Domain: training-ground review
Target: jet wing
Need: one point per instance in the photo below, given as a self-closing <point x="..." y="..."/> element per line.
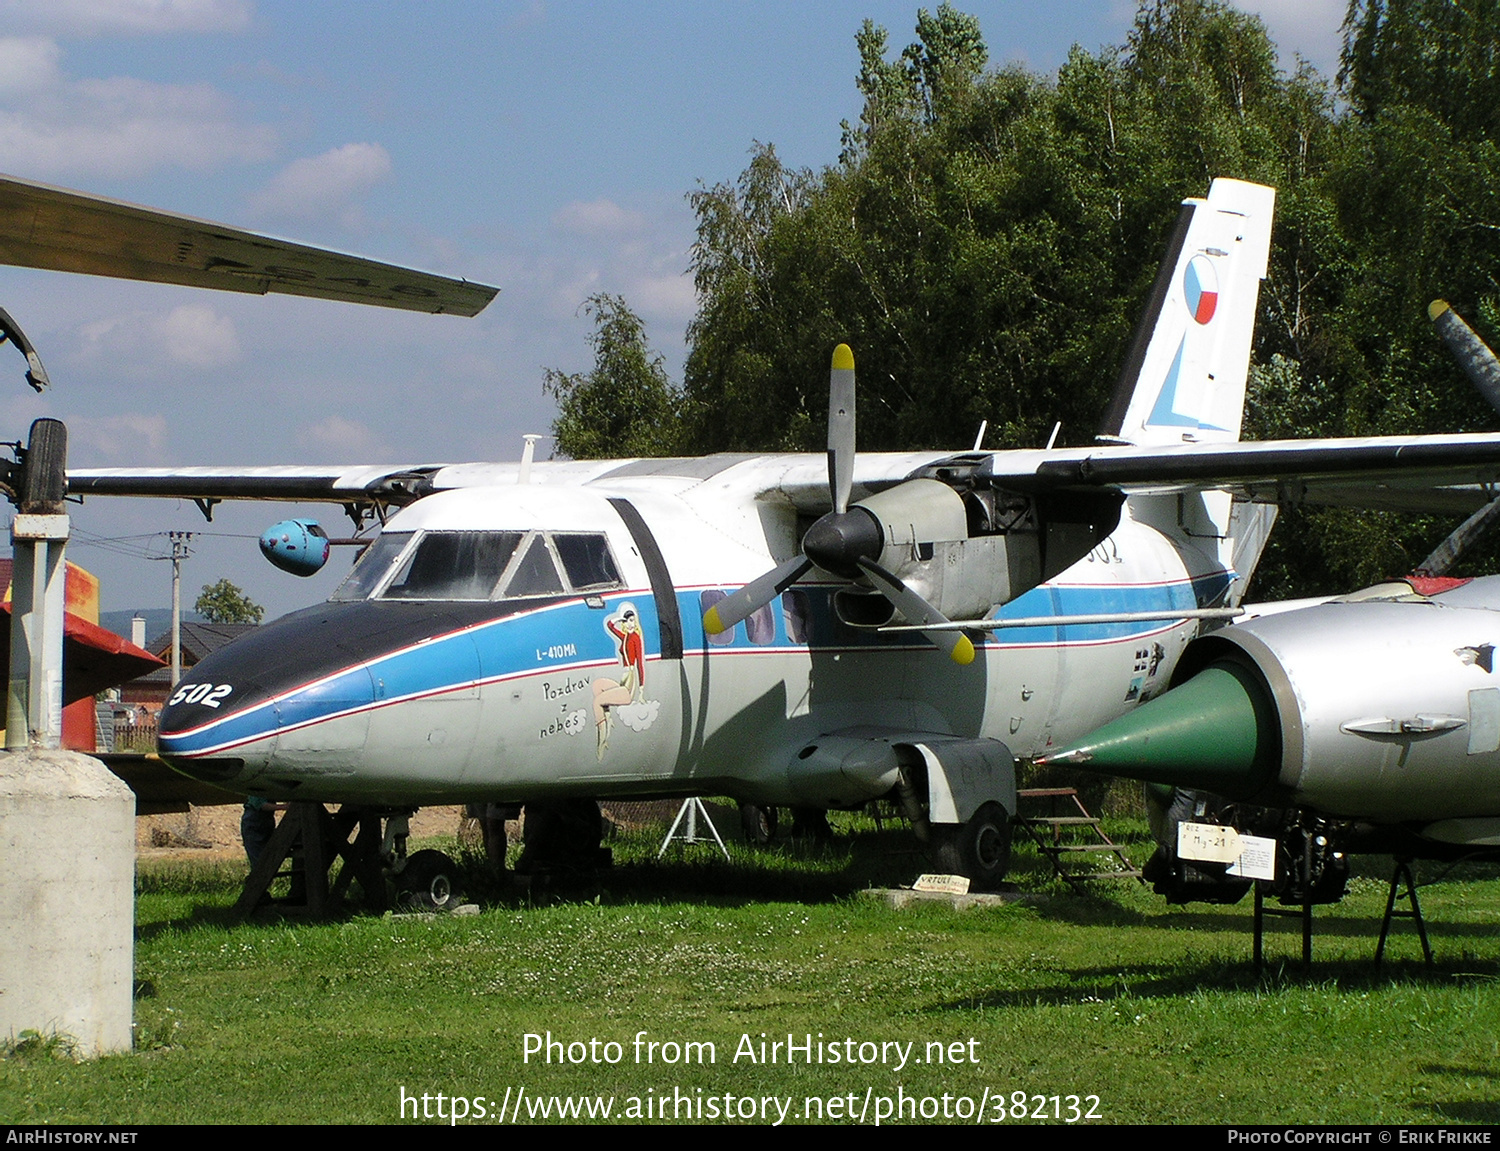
<point x="68" y="231"/>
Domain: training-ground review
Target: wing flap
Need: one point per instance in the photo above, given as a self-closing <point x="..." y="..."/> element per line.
<point x="67" y="231"/>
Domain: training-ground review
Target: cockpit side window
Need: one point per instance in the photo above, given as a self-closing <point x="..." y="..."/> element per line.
<point x="587" y="560"/>
<point x="373" y="566"/>
<point x="453" y="566"/>
<point x="535" y="573"/>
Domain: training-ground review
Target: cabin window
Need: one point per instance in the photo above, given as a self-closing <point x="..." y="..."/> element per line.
<point x="373" y="566"/>
<point x="760" y="625"/>
<point x="587" y="561"/>
<point x="795" y="612"/>
<point x="710" y="599"/>
<point x="454" y="566"/>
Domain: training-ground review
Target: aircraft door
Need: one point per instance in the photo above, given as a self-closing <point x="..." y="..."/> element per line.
<point x="638" y="706"/>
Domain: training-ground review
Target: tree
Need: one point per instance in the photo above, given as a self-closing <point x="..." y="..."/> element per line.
<point x="223" y="602"/>
<point x="626" y="406"/>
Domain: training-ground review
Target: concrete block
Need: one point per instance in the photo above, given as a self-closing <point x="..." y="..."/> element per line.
<point x="67" y="899"/>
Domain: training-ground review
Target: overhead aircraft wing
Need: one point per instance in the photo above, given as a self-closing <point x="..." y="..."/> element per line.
<point x="398" y="484"/>
<point x="67" y="231"/>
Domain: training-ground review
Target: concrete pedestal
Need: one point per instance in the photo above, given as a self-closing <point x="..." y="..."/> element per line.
<point x="67" y="899"/>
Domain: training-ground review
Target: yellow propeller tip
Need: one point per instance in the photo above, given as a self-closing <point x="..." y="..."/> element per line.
<point x="843" y="359"/>
<point x="1436" y="309"/>
<point x="963" y="651"/>
<point x="711" y="622"/>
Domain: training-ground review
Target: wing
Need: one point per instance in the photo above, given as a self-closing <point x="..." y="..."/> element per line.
<point x="1440" y="473"/>
<point x="67" y="231"/>
<point x="390" y="485"/>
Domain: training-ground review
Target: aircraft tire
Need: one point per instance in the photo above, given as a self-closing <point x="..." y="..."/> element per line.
<point x="979" y="849"/>
<point x="758" y="823"/>
<point x="429" y="881"/>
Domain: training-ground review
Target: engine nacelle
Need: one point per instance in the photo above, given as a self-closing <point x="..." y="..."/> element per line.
<point x="296" y="546"/>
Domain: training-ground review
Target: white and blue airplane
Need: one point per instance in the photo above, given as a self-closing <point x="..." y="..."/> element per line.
<point x="783" y="629"/>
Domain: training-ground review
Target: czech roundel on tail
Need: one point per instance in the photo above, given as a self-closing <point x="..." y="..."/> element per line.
<point x="820" y="631"/>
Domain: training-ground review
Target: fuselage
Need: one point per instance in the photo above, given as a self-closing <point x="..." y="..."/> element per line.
<point x="524" y="641"/>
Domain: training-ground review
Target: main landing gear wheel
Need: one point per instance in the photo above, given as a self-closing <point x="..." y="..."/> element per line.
<point x="980" y="849"/>
<point x="429" y="882"/>
<point x="758" y="823"/>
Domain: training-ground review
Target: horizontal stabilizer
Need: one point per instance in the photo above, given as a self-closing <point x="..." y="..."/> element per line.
<point x="67" y="231"/>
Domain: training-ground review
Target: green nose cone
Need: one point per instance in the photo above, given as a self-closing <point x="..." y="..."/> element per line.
<point x="1217" y="732"/>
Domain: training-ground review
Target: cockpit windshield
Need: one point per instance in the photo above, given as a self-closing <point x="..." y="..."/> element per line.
<point x="443" y="565"/>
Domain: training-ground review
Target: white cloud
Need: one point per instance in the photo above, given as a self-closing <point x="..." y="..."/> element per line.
<point x="1309" y="28"/>
<point x="196" y="335"/>
<point x="598" y="218"/>
<point x="132" y="437"/>
<point x="327" y="186"/>
<point x="192" y="334"/>
<point x="96" y="17"/>
<point x="337" y="440"/>
<point x="27" y="63"/>
<point x="664" y="298"/>
<point x="52" y="125"/>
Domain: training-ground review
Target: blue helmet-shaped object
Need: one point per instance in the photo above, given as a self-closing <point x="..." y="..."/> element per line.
<point x="296" y="546"/>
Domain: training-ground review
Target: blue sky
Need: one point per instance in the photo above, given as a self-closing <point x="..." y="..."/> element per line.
<point x="544" y="147"/>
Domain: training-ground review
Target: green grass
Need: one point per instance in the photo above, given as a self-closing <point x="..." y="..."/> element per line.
<point x="1155" y="1010"/>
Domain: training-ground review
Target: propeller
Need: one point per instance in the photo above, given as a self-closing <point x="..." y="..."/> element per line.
<point x="847" y="541"/>
<point x="1483" y="370"/>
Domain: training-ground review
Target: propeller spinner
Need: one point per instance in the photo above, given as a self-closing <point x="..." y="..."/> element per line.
<point x="848" y="541"/>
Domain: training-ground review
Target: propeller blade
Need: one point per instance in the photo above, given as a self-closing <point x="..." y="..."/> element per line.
<point x="918" y="611"/>
<point x="1472" y="354"/>
<point x="841" y="427"/>
<point x="754" y="595"/>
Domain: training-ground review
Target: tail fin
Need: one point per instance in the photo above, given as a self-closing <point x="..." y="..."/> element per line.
<point x="1185" y="376"/>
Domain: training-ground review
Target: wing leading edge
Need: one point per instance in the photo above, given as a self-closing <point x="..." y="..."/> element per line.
<point x="67" y="231"/>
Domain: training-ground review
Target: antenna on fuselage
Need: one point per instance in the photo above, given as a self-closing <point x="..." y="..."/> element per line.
<point x="527" y="452"/>
<point x="1052" y="439"/>
<point x="979" y="439"/>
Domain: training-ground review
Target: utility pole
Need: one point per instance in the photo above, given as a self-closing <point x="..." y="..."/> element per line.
<point x="180" y="552"/>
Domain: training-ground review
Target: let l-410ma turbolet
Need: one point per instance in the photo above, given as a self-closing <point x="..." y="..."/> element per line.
<point x="787" y="629"/>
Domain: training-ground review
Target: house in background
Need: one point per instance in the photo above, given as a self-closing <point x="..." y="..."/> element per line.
<point x="198" y="640"/>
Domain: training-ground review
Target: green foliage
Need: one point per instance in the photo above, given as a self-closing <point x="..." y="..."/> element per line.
<point x="224" y="602"/>
<point x="987" y="239"/>
<point x="625" y="406"/>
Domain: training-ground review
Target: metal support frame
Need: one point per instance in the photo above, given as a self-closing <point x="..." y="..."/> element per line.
<point x="1304" y="912"/>
<point x="692" y="808"/>
<point x="1402" y="872"/>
